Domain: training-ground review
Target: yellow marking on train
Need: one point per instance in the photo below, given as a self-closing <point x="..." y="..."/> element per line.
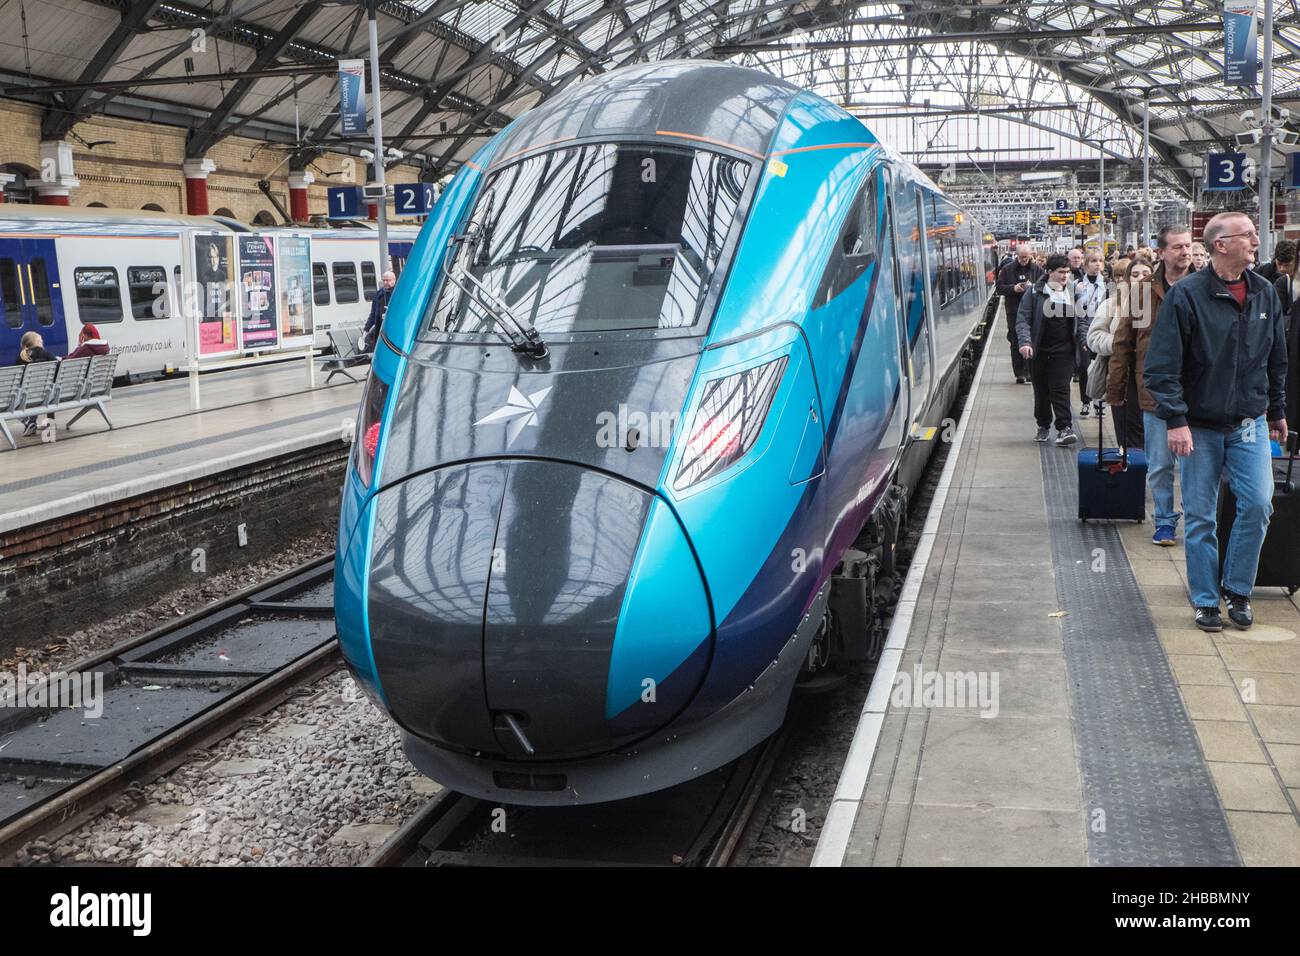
<point x="923" y="434"/>
<point x="776" y="167"/>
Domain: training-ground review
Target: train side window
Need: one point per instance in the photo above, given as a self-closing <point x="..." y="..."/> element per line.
<point x="320" y="284"/>
<point x="146" y="286"/>
<point x="345" y="282"/>
<point x="856" y="246"/>
<point x="369" y="287"/>
<point x="99" y="294"/>
<point x="9" y="289"/>
<point x="39" y="280"/>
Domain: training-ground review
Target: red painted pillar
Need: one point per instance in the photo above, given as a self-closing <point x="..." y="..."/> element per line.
<point x="299" y="180"/>
<point x="196" y="185"/>
<point x="52" y="196"/>
<point x="372" y="212"/>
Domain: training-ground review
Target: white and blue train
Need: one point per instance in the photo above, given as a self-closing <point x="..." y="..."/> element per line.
<point x="664" y="365"/>
<point x="61" y="267"/>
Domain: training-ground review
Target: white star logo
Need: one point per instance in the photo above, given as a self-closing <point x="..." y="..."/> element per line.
<point x="519" y="410"/>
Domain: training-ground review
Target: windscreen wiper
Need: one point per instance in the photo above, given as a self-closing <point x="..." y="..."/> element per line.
<point x="522" y="337"/>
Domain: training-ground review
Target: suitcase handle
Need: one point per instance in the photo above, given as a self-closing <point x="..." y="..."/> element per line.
<point x="1293" y="443"/>
<point x="1101" y="441"/>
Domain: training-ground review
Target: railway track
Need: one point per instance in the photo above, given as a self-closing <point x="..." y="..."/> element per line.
<point x="698" y="823"/>
<point x="164" y="695"/>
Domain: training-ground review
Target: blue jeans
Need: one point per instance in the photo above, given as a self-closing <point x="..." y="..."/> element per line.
<point x="1243" y="454"/>
<point x="1160" y="470"/>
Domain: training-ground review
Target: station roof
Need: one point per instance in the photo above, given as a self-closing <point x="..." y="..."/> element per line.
<point x="983" y="81"/>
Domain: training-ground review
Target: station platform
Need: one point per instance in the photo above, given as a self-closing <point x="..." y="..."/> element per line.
<point x="1099" y="726"/>
<point x="248" y="415"/>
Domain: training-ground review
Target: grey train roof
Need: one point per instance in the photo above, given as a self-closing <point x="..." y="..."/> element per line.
<point x="713" y="101"/>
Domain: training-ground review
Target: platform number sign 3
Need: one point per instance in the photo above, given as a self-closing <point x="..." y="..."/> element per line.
<point x="1225" y="171"/>
<point x="414" y="199"/>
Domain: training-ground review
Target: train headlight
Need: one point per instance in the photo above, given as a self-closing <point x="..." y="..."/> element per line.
<point x="728" y="420"/>
<point x="369" y="426"/>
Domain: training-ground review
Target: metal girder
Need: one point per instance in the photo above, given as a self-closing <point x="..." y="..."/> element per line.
<point x="972" y="37"/>
<point x="203" y="138"/>
<point x="56" y="125"/>
<point x="435" y="95"/>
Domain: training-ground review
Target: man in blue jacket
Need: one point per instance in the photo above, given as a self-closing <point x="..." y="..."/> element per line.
<point x="1216" y="368"/>
<point x="378" y="308"/>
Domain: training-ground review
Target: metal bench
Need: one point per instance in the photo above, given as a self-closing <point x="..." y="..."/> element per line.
<point x="346" y="340"/>
<point x="45" y="388"/>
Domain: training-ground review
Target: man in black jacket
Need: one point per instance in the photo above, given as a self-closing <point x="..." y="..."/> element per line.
<point x="1013" y="279"/>
<point x="1216" y="368"/>
<point x="378" y="308"/>
<point x="1048" y="330"/>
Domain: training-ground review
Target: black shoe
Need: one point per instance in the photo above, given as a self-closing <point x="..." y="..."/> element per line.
<point x="1209" y="619"/>
<point x="1239" y="612"/>
<point x="1066" y="436"/>
<point x="1083" y="410"/>
<point x="1042" y="434"/>
<point x="1020" y="380"/>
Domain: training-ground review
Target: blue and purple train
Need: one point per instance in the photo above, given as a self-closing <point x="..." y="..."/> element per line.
<point x="659" y="375"/>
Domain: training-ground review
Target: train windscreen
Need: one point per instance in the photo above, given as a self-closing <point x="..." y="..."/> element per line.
<point x="596" y="238"/>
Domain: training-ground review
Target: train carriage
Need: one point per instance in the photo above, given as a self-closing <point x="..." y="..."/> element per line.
<point x="123" y="271"/>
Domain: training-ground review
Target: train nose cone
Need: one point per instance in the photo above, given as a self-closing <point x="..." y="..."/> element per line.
<point x="500" y="614"/>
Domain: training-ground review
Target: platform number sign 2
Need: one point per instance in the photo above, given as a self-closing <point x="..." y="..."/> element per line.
<point x="414" y="199"/>
<point x="1225" y="171"/>
<point x="346" y="202"/>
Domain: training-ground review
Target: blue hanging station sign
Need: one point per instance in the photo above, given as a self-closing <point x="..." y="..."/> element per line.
<point x="1225" y="171"/>
<point x="1240" y="43"/>
<point x="352" y="97"/>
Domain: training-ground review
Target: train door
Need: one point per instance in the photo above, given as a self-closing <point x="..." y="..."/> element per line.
<point x="30" y="295"/>
<point x="908" y="240"/>
<point x="889" y="258"/>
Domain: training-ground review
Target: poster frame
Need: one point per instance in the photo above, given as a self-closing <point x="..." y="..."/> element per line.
<point x="308" y="338"/>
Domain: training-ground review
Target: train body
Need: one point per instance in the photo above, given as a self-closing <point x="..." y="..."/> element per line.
<point x="664" y="364"/>
<point x="61" y="267"/>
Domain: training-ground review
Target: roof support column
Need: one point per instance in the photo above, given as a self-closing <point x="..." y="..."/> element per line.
<point x="299" y="180"/>
<point x="57" y="177"/>
<point x="196" y="185"/>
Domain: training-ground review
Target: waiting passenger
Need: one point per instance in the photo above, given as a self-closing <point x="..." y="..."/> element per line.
<point x="1128" y="314"/>
<point x="1283" y="262"/>
<point x="1048" y="328"/>
<point x="1076" y="258"/>
<point x="1014" y="279"/>
<point x="32" y="350"/>
<point x="89" y="343"/>
<point x="1218" y="377"/>
<point x="1199" y="256"/>
<point x="1174" y="247"/>
<point x="1089" y="292"/>
<point x="378" y="308"/>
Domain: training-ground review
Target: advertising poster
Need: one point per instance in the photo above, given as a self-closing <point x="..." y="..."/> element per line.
<point x="295" y="288"/>
<point x="214" y="259"/>
<point x="257" y="297"/>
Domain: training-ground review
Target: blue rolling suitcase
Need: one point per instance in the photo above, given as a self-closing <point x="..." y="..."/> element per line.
<point x="1112" y="481"/>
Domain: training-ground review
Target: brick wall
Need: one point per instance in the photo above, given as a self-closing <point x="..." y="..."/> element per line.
<point x="142" y="164"/>
<point x="71" y="572"/>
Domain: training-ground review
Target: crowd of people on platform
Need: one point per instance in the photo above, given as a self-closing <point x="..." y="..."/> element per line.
<point x="1195" y="348"/>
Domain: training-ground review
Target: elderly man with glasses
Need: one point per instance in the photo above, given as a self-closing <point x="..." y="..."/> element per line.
<point x="1216" y="368"/>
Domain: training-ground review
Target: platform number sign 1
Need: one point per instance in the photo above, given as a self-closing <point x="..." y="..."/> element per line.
<point x="414" y="199"/>
<point x="346" y="203"/>
<point x="1225" y="171"/>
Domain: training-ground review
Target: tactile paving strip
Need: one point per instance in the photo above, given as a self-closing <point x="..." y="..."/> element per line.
<point x="1148" y="796"/>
